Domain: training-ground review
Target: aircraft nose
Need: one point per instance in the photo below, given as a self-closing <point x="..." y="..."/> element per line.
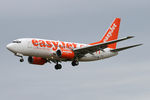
<point x="10" y="47"/>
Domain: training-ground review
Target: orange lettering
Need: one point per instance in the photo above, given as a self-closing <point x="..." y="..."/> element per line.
<point x="74" y="45"/>
<point x="69" y="45"/>
<point x="49" y="44"/>
<point x="42" y="43"/>
<point x="63" y="45"/>
<point x="55" y="45"/>
<point x="35" y="42"/>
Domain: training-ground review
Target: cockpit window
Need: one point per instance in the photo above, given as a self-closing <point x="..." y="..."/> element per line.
<point x="16" y="41"/>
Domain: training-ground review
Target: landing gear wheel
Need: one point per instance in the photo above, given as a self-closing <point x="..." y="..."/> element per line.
<point x="58" y="66"/>
<point x="21" y="60"/>
<point x="75" y="63"/>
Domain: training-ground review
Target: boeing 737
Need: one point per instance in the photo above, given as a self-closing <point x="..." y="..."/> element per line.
<point x="41" y="51"/>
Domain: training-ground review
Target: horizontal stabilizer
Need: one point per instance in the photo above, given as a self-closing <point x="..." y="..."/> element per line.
<point x="124" y="48"/>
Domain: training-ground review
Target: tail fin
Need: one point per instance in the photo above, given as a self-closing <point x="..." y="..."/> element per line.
<point x="111" y="34"/>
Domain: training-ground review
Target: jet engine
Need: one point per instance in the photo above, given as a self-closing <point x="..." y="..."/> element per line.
<point x="65" y="53"/>
<point x="36" y="60"/>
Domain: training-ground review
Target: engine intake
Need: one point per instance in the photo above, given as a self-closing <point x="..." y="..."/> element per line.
<point x="65" y="53"/>
<point x="36" y="60"/>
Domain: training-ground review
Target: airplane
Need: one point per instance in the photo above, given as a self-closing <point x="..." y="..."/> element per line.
<point x="41" y="51"/>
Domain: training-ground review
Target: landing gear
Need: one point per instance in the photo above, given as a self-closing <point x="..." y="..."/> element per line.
<point x="75" y="63"/>
<point x="20" y="55"/>
<point x="58" y="66"/>
<point x="21" y="60"/>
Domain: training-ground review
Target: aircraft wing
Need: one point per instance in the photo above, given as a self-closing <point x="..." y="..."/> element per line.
<point x="93" y="48"/>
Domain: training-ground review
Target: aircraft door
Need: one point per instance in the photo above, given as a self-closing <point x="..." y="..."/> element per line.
<point x="29" y="45"/>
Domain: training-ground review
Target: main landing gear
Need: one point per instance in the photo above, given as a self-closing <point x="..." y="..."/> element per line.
<point x="75" y="63"/>
<point x="58" y="66"/>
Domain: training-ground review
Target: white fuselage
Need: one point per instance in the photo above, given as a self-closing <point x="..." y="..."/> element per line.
<point x="47" y="49"/>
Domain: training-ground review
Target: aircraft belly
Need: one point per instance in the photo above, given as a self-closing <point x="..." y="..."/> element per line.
<point x="90" y="57"/>
<point x="94" y="56"/>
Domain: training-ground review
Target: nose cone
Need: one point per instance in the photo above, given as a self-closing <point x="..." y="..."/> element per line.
<point x="10" y="47"/>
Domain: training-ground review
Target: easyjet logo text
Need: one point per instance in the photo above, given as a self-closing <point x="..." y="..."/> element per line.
<point x="54" y="45"/>
<point x="111" y="30"/>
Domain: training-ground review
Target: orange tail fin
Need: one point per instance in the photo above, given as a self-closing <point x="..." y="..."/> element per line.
<point x="111" y="34"/>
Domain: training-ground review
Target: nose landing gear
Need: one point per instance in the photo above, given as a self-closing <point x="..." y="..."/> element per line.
<point x="20" y="55"/>
<point x="21" y="60"/>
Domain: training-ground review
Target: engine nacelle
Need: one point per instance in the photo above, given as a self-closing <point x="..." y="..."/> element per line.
<point x="65" y="53"/>
<point x="36" y="60"/>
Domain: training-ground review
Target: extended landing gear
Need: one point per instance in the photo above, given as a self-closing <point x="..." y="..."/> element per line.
<point x="20" y="55"/>
<point x="21" y="60"/>
<point x="58" y="66"/>
<point x="75" y="63"/>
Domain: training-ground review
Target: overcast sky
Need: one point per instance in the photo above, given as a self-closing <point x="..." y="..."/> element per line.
<point x="124" y="77"/>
